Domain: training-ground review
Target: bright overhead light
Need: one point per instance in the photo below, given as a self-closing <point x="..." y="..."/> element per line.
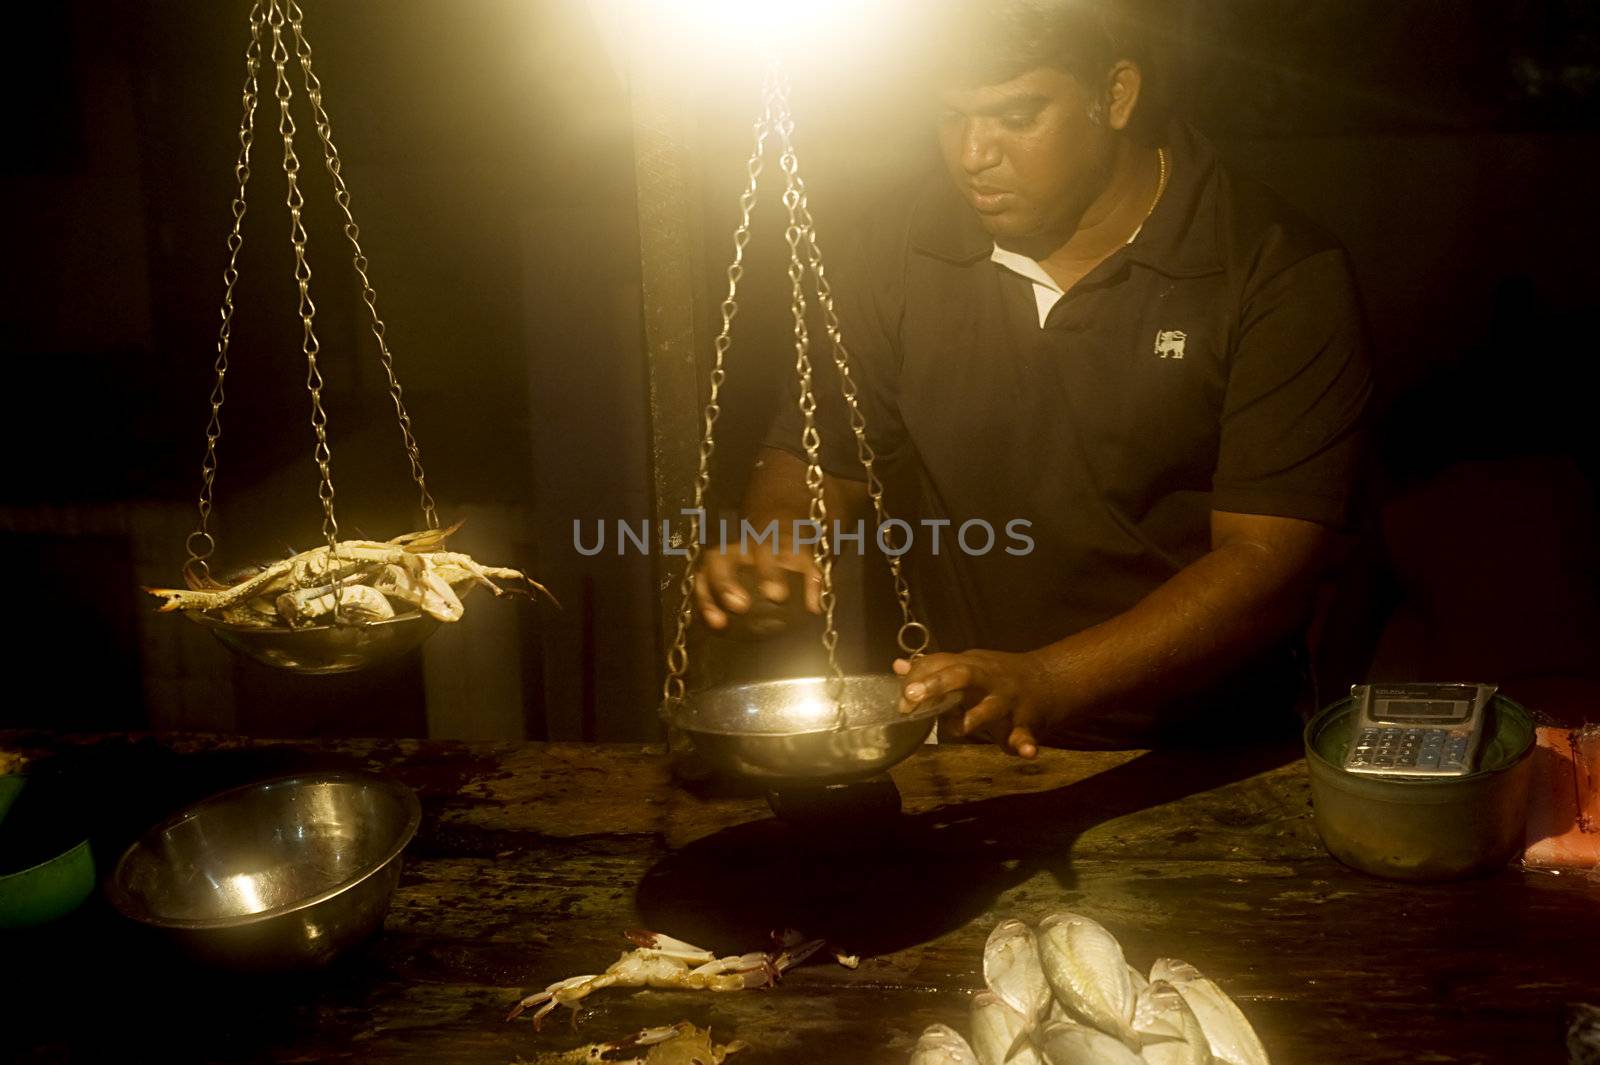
<point x="772" y="24"/>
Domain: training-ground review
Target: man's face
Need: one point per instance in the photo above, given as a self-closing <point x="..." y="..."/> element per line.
<point x="1025" y="154"/>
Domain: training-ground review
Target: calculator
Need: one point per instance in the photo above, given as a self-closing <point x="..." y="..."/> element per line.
<point x="1418" y="730"/>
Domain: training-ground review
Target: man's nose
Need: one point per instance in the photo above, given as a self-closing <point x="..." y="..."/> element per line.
<point x="979" y="149"/>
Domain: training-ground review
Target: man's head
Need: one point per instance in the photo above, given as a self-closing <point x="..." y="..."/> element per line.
<point x="1035" y="96"/>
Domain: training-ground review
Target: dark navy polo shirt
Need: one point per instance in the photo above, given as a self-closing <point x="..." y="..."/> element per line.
<point x="1217" y="362"/>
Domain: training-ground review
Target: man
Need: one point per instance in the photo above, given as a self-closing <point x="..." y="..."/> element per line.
<point x="1088" y="325"/>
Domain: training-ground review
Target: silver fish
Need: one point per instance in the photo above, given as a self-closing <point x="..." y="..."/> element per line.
<point x="999" y="1033"/>
<point x="941" y="1045"/>
<point x="1229" y="1035"/>
<point x="1139" y="982"/>
<point x="1058" y="1012"/>
<point x="1168" y="1028"/>
<point x="1088" y="973"/>
<point x="1012" y="970"/>
<point x="1173" y="1052"/>
<point x="1070" y="1043"/>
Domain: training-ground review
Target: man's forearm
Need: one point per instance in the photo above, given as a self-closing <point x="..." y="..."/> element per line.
<point x="1213" y="616"/>
<point x="778" y="492"/>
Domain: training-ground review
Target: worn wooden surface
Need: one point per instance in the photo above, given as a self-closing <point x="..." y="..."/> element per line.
<point x="533" y="859"/>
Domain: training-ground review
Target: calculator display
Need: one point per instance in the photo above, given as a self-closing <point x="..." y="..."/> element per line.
<point x="1431" y="710"/>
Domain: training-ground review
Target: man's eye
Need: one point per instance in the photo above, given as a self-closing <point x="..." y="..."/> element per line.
<point x="1018" y="119"/>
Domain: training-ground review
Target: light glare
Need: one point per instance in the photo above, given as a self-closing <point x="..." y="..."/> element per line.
<point x="775" y="25"/>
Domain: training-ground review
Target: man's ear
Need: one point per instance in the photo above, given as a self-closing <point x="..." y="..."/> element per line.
<point x="1122" y="93"/>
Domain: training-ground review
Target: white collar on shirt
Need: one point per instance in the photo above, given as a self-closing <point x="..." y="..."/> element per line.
<point x="1046" y="293"/>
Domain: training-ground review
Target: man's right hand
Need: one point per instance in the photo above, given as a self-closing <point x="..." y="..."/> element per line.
<point x="776" y="494"/>
<point x="719" y="592"/>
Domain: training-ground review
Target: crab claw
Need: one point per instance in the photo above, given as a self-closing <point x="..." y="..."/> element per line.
<point x="791" y="956"/>
<point x="426" y="539"/>
<point x="666" y="946"/>
<point x="787" y="937"/>
<point x="647" y="1037"/>
<point x="558" y="993"/>
<point x="173" y="598"/>
<point x="527" y="1004"/>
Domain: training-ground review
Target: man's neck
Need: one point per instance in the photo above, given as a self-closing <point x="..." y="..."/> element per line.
<point x="1109" y="222"/>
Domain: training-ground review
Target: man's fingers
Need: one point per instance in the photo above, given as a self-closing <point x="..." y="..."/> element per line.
<point x="709" y="611"/>
<point x="952" y="678"/>
<point x="720" y="571"/>
<point x="990" y="709"/>
<point x="1021" y="742"/>
<point x="929" y="663"/>
<point x="773" y="582"/>
<point x="814" y="591"/>
<point x="917" y="673"/>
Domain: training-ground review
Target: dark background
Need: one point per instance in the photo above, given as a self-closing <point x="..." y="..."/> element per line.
<point x="488" y="146"/>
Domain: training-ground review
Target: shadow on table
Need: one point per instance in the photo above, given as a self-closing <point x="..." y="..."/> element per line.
<point x="877" y="885"/>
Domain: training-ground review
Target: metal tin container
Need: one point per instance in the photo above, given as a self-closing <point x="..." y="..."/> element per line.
<point x="1440" y="828"/>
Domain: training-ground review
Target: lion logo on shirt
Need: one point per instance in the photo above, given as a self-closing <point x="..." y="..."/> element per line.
<point x="1169" y="343"/>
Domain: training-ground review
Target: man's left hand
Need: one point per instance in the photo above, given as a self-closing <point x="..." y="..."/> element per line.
<point x="1006" y="696"/>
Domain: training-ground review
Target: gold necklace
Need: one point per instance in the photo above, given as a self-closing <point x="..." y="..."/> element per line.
<point x="1161" y="182"/>
<point x="1161" y="188"/>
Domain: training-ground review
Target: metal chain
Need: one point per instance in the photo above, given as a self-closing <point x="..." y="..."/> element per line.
<point x="330" y="157"/>
<point x="801" y="231"/>
<point x="200" y="543"/>
<point x="276" y="18"/>
<point x="674" y="688"/>
<point x="913" y="636"/>
<point x="794" y="235"/>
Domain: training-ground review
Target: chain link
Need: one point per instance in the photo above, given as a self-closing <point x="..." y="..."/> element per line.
<point x="913" y="636"/>
<point x="330" y="157"/>
<point x="200" y="543"/>
<point x="794" y="236"/>
<point x="276" y="19"/>
<point x="804" y="254"/>
<point x="673" y="689"/>
<point x="275" y="16"/>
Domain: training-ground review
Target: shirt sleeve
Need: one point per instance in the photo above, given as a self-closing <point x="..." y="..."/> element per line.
<point x="865" y="299"/>
<point x="1295" y="438"/>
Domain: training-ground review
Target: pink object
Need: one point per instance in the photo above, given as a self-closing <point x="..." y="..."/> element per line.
<point x="1564" y="811"/>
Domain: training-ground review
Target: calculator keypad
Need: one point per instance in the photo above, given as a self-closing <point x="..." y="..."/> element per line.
<point x="1399" y="749"/>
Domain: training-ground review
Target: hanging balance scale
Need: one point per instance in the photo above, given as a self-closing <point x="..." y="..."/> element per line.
<point x="805" y="734"/>
<point x="348" y="604"/>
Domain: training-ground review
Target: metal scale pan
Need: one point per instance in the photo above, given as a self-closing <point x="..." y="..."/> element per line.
<point x="783" y="732"/>
<point x="320" y="649"/>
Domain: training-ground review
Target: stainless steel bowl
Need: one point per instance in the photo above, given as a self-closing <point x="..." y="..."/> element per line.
<point x="318" y="649"/>
<point x="782" y="731"/>
<point x="282" y="874"/>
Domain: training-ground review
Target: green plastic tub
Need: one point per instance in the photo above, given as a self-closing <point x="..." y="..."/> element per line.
<point x="10" y="788"/>
<point x="53" y="888"/>
<point x="1423" y="829"/>
<point x="46" y="866"/>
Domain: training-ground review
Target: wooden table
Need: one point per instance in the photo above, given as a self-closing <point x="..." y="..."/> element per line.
<point x="534" y="858"/>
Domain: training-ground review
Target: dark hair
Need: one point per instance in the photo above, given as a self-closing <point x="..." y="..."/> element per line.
<point x="981" y="42"/>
